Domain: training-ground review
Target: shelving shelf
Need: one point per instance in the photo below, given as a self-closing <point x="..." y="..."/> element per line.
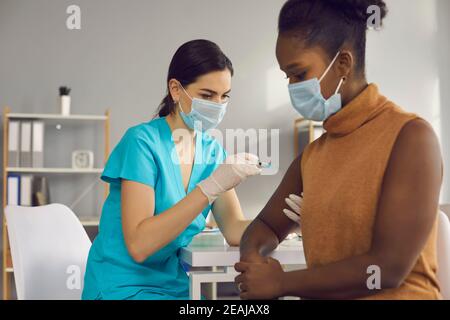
<point x="86" y="221"/>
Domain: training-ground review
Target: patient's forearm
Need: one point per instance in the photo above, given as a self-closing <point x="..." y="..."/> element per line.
<point x="149" y="237"/>
<point x="346" y="279"/>
<point x="258" y="240"/>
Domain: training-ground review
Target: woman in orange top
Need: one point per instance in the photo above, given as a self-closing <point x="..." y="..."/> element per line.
<point x="370" y="184"/>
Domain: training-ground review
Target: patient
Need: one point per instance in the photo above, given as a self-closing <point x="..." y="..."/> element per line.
<point x="370" y="184"/>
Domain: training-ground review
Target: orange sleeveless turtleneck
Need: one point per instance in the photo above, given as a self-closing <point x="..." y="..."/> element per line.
<point x="342" y="174"/>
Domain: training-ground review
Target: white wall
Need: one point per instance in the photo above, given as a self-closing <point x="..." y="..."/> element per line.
<point x="409" y="60"/>
<point x="120" y="58"/>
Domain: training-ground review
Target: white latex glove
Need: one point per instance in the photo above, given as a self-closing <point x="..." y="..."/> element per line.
<point x="295" y="214"/>
<point x="230" y="174"/>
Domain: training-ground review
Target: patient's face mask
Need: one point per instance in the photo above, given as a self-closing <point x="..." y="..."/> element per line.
<point x="207" y="113"/>
<point x="307" y="98"/>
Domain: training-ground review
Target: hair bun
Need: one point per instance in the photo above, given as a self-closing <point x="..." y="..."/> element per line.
<point x="356" y="10"/>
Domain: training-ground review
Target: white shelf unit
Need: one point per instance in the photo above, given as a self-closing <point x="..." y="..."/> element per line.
<point x="86" y="221"/>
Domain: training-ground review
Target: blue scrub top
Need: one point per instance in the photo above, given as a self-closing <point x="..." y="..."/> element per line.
<point x="146" y="154"/>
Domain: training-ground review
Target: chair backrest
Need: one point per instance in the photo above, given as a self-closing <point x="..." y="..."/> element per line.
<point x="443" y="251"/>
<point x="446" y="209"/>
<point x="49" y="249"/>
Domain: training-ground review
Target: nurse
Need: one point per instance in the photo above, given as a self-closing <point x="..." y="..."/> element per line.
<point x="165" y="175"/>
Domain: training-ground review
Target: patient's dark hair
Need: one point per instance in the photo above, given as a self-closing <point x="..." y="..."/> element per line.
<point x="330" y="24"/>
<point x="192" y="60"/>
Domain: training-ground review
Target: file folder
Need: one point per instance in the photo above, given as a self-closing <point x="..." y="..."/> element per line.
<point x="38" y="144"/>
<point x="13" y="143"/>
<point x="26" y="182"/>
<point x="25" y="144"/>
<point x="13" y="190"/>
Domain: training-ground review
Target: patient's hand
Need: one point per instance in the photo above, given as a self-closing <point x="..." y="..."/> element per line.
<point x="253" y="258"/>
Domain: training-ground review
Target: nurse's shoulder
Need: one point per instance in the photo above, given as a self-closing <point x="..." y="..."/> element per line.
<point x="147" y="132"/>
<point x="134" y="157"/>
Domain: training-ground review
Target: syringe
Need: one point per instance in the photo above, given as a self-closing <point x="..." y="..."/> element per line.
<point x="265" y="165"/>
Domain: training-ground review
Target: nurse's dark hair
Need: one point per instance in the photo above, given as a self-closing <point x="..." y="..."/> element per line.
<point x="331" y="24"/>
<point x="191" y="61"/>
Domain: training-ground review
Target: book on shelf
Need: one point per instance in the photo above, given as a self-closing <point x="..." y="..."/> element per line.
<point x="13" y="189"/>
<point x="13" y="143"/>
<point x="37" y="157"/>
<point x="26" y="144"/>
<point x="27" y="190"/>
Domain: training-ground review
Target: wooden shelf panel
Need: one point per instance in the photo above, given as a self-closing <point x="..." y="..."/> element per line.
<point x="8" y="259"/>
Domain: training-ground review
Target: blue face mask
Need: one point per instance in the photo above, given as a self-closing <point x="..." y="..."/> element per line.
<point x="204" y="115"/>
<point x="307" y="98"/>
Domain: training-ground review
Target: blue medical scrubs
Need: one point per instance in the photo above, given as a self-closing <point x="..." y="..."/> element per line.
<point x="146" y="154"/>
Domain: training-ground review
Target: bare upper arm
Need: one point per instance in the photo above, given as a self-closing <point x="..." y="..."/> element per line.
<point x="409" y="199"/>
<point x="272" y="214"/>
<point x="138" y="204"/>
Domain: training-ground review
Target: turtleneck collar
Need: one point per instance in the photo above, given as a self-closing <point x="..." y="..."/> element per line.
<point x="367" y="105"/>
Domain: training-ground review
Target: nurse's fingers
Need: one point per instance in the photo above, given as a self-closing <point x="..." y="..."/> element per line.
<point x="242" y="158"/>
<point x="293" y="205"/>
<point x="296" y="199"/>
<point x="251" y="158"/>
<point x="291" y="215"/>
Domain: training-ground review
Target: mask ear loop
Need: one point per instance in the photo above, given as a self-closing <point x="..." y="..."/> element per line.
<point x="329" y="67"/>
<point x="340" y="85"/>
<point x="185" y="91"/>
<point x="179" y="102"/>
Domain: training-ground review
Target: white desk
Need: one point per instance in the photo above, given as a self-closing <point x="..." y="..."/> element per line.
<point x="209" y="250"/>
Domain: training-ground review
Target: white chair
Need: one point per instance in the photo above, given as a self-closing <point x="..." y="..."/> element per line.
<point x="443" y="251"/>
<point x="49" y="249"/>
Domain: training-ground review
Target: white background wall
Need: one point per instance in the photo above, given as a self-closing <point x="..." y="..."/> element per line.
<point x="409" y="59"/>
<point x="120" y="58"/>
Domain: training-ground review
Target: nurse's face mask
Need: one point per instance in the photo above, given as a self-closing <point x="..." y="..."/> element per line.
<point x="307" y="98"/>
<point x="204" y="115"/>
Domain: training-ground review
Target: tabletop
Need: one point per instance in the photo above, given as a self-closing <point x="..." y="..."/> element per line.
<point x="209" y="249"/>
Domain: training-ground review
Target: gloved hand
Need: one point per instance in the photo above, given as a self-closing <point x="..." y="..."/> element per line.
<point x="295" y="214"/>
<point x="230" y="174"/>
